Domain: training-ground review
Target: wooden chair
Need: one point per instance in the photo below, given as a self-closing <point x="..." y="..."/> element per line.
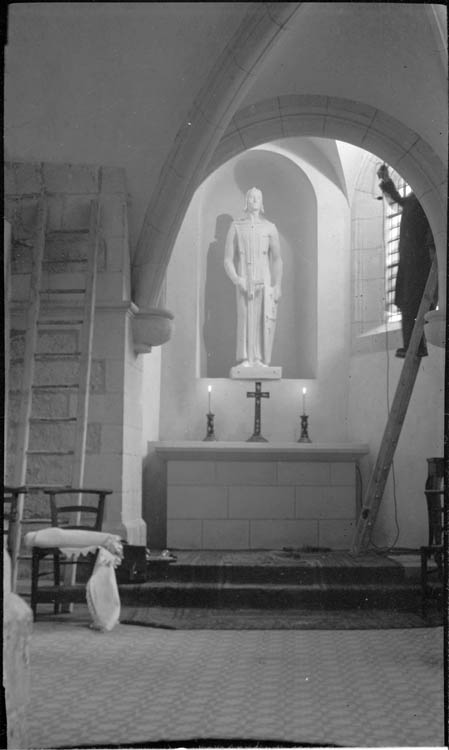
<point x="66" y="515"/>
<point x="12" y="524"/>
<point x="432" y="554"/>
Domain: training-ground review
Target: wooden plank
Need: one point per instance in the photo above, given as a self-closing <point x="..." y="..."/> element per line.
<point x="395" y="421"/>
<point x="30" y="346"/>
<point x="23" y="432"/>
<point x="86" y="337"/>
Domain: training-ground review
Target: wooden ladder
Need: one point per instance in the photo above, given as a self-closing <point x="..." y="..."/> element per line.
<point x="379" y="476"/>
<point x="33" y="322"/>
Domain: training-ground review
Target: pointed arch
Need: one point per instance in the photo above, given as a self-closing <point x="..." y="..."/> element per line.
<point x="344" y="120"/>
<point x="202" y="150"/>
<point x="227" y="84"/>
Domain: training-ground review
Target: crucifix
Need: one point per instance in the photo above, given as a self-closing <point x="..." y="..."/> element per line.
<point x="256" y="437"/>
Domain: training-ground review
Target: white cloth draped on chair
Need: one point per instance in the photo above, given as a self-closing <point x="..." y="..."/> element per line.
<point x="101" y="589"/>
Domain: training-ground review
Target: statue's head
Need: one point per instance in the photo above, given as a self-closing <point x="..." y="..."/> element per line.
<point x="254" y="200"/>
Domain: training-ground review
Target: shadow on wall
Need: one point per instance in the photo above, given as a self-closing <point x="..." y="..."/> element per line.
<point x="220" y="310"/>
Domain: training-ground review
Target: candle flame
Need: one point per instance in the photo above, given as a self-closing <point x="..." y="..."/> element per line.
<point x="209" y="388"/>
<point x="304" y="390"/>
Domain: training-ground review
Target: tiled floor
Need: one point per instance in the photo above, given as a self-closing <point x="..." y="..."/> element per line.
<point x="135" y="684"/>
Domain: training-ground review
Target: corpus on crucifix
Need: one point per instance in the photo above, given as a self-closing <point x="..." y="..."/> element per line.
<point x="258" y="394"/>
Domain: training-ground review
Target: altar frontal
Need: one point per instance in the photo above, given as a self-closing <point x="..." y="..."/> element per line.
<point x="257" y="495"/>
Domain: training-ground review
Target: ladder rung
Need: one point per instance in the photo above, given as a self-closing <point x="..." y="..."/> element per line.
<point x="49" y="453"/>
<point x="49" y="262"/>
<point x="62" y="291"/>
<point x="54" y="387"/>
<point x="60" y="321"/>
<point x="59" y="232"/>
<point x="66" y="356"/>
<point x="66" y="323"/>
<point x="48" y="420"/>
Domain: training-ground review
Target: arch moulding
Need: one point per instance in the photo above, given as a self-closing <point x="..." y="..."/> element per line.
<point x="363" y="126"/>
<point x="344" y="120"/>
<point x="340" y="119"/>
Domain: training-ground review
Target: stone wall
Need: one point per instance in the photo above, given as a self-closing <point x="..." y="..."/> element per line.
<point x="114" y="421"/>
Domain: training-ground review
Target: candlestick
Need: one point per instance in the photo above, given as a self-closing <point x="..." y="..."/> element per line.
<point x="209" y="388"/>
<point x="304" y="391"/>
<point x="210" y="434"/>
<point x="304" y="430"/>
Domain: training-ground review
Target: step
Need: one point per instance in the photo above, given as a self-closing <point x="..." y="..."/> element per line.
<point x="245" y="596"/>
<point x="308" y="574"/>
<point x="334" y="596"/>
<point x="329" y="581"/>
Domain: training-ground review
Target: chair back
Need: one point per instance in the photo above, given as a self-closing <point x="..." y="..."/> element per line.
<point x="77" y="508"/>
<point x="435" y="496"/>
<point x="12" y="522"/>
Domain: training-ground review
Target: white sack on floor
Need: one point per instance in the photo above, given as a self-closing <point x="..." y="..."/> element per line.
<point x="102" y="593"/>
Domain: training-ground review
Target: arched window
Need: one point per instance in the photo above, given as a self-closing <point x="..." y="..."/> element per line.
<point x="392" y="223"/>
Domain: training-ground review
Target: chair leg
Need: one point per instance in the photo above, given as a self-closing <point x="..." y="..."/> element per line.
<point x="56" y="581"/>
<point x="34" y="580"/>
<point x="424" y="560"/>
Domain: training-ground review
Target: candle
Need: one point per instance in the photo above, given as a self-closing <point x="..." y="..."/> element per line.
<point x="209" y="388"/>
<point x="304" y="391"/>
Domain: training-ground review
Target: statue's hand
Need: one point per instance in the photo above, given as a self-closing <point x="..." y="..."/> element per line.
<point x="276" y="293"/>
<point x="241" y="283"/>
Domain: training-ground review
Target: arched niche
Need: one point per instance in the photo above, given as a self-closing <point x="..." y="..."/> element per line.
<point x="308" y="203"/>
<point x="289" y="202"/>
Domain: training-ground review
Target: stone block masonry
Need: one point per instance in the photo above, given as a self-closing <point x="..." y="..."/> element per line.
<point x="69" y="190"/>
<point x="259" y="496"/>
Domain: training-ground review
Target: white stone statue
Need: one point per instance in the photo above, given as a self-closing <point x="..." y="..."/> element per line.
<point x="253" y="263"/>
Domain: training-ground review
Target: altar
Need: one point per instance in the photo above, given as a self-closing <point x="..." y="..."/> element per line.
<point x="242" y="495"/>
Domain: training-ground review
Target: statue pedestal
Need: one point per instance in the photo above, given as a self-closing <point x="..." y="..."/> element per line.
<point x="256" y="372"/>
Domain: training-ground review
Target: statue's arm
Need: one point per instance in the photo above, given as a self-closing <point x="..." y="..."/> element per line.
<point x="276" y="262"/>
<point x="229" y="263"/>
